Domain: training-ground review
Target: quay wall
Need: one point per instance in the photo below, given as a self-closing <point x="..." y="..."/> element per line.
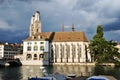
<point x="90" y="64"/>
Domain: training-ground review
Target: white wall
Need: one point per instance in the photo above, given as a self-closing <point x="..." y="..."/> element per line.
<point x="83" y="52"/>
<point x="45" y="52"/>
<point x="1" y="51"/>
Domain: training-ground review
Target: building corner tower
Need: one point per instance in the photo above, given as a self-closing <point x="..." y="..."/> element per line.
<point x="35" y="25"/>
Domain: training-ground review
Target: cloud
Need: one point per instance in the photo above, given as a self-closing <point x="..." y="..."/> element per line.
<point x="13" y="36"/>
<point x="4" y="25"/>
<point x="16" y="14"/>
<point x="115" y="26"/>
<point x="112" y="35"/>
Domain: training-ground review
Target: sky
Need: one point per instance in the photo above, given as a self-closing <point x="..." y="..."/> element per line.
<point x="15" y="16"/>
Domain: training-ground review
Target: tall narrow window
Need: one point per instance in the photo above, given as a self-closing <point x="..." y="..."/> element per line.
<point x="79" y="52"/>
<point x="57" y="51"/>
<point x="73" y="54"/>
<point x="68" y="51"/>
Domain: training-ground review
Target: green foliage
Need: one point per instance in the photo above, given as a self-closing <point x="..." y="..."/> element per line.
<point x="103" y="51"/>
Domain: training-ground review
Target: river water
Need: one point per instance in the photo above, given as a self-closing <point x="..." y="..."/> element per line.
<point x="23" y="72"/>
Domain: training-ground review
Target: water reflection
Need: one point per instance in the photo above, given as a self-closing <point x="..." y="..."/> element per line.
<point x="23" y="72"/>
<point x="9" y="73"/>
<point x="31" y="71"/>
<point x="79" y="70"/>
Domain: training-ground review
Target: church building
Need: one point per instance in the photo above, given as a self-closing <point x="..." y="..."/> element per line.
<point x="44" y="48"/>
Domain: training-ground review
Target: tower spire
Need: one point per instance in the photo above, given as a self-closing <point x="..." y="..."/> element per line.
<point x="63" y="27"/>
<point x="73" y="25"/>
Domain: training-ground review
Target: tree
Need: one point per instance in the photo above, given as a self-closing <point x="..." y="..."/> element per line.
<point x="103" y="51"/>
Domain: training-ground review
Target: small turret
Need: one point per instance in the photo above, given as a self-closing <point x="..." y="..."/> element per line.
<point x="73" y="29"/>
<point x="32" y="19"/>
<point x="37" y="16"/>
<point x="63" y="27"/>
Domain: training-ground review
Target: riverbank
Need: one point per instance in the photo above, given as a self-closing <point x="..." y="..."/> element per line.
<point x="84" y="64"/>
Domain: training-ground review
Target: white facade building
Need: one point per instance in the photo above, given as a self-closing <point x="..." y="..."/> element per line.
<point x="44" y="48"/>
<point x="1" y="51"/>
<point x="8" y="51"/>
<point x="70" y="52"/>
<point x="36" y="52"/>
<point x="69" y="47"/>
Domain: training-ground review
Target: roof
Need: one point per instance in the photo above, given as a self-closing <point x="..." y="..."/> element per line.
<point x="69" y="37"/>
<point x="39" y="36"/>
<point x="59" y="36"/>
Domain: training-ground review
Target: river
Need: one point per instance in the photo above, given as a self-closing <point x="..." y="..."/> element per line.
<point x="23" y="72"/>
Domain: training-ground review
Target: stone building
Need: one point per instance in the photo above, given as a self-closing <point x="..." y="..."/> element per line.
<point x="43" y="48"/>
<point x="9" y="50"/>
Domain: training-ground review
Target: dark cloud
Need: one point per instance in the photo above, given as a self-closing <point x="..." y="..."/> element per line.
<point x="15" y="16"/>
<point x="1" y="1"/>
<point x="8" y="36"/>
<point x="35" y="0"/>
<point x="112" y="26"/>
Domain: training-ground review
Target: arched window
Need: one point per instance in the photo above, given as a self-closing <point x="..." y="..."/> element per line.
<point x="41" y="56"/>
<point x="35" y="56"/>
<point x="28" y="57"/>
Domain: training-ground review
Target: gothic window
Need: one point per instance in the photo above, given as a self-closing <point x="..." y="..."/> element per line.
<point x="74" y="51"/>
<point x="55" y="53"/>
<point x="79" y="50"/>
<point x="61" y="50"/>
<point x="68" y="51"/>
<point x="63" y="54"/>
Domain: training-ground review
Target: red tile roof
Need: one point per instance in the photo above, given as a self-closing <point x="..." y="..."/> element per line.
<point x="60" y="36"/>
